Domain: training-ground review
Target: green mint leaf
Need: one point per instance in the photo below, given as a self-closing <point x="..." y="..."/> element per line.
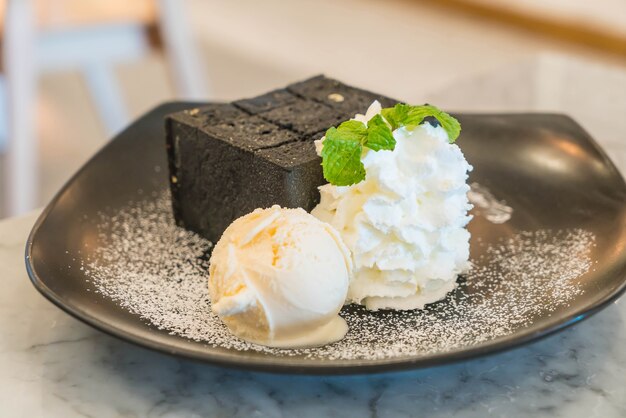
<point x="411" y="116"/>
<point x="397" y="115"/>
<point x="353" y="130"/>
<point x="417" y="114"/>
<point x="341" y="159"/>
<point x="379" y="136"/>
<point x="343" y="146"/>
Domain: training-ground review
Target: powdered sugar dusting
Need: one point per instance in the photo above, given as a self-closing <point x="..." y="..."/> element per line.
<point x="486" y="204"/>
<point x="158" y="271"/>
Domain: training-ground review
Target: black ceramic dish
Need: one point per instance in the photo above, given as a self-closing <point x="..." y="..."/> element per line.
<point x="545" y="166"/>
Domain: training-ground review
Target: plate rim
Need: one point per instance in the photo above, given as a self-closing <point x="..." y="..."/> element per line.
<point x="335" y="367"/>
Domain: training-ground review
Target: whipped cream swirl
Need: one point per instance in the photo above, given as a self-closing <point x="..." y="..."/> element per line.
<point x="405" y="224"/>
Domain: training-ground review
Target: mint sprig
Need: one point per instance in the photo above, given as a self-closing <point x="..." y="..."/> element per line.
<point x="379" y="135"/>
<point x="397" y="116"/>
<point x="353" y="130"/>
<point x="341" y="159"/>
<point x="411" y="116"/>
<point x="343" y="146"/>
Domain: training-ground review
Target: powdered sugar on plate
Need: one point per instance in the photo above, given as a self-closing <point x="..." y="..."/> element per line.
<point x="485" y="204"/>
<point x="159" y="271"/>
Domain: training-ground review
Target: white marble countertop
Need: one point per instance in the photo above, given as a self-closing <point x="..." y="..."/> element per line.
<point x="53" y="365"/>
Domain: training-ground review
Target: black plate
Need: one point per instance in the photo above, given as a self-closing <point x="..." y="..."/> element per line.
<point x="545" y="166"/>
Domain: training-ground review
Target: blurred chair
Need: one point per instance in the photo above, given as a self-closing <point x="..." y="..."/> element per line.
<point x="92" y="36"/>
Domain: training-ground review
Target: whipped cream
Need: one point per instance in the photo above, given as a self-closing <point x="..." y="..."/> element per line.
<point x="278" y="277"/>
<point x="405" y="223"/>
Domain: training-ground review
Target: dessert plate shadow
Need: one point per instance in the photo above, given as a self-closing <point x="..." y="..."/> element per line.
<point x="544" y="166"/>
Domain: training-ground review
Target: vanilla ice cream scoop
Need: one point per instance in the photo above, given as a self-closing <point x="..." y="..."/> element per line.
<point x="279" y="277"/>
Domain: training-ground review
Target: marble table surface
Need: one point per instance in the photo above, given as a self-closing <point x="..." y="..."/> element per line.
<point x="53" y="365"/>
